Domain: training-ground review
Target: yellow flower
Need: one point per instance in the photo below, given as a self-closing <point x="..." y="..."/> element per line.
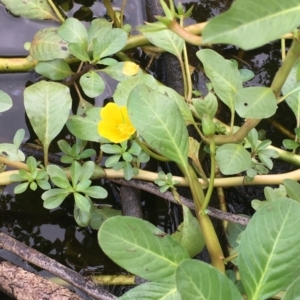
<point x="115" y="124"/>
<point x="130" y="68"/>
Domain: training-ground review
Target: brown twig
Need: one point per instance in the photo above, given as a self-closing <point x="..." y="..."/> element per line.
<point x="153" y="189"/>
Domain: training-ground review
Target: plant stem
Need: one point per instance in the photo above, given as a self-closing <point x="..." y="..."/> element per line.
<point x="57" y="12"/>
<point x="208" y="231"/>
<point x="212" y="147"/>
<point x="150" y="152"/>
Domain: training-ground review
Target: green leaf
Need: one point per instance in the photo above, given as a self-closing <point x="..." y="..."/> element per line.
<point x="116" y="72"/>
<point x="60" y="182"/>
<point x="268" y="252"/>
<point x="233" y="230"/>
<point x="246" y="74"/>
<point x="160" y="36"/>
<point x="198" y="280"/>
<point x="125" y="87"/>
<point x="141" y="248"/>
<point x="56" y="171"/>
<point x="79" y="51"/>
<point x="92" y="84"/>
<point x="98" y="28"/>
<point x="127" y="170"/>
<point x="31" y="9"/>
<point x="56" y="69"/>
<point x="87" y="170"/>
<point x="101" y="214"/>
<point x="86" y="127"/>
<point x="20" y="188"/>
<point x="153" y="290"/>
<point x="111" y="43"/>
<point x="290" y="144"/>
<point x="75" y="172"/>
<point x="47" y="105"/>
<point x="292" y="188"/>
<point x="82" y="218"/>
<point x="293" y="291"/>
<point x="111" y="149"/>
<point x="5" y="101"/>
<point x="291" y="84"/>
<point x="65" y="147"/>
<point x="83" y="185"/>
<point x="54" y="198"/>
<point x="96" y="192"/>
<point x="48" y="45"/>
<point x="19" y="136"/>
<point x="82" y="202"/>
<point x="43" y="184"/>
<point x="208" y="105"/>
<point x="233" y="159"/>
<point x="223" y="74"/>
<point x="256" y="102"/>
<point x="265" y="160"/>
<point x="112" y="161"/>
<point x="189" y="233"/>
<point x="168" y="135"/>
<point x="11" y="152"/>
<point x="73" y="31"/>
<point x="180" y="101"/>
<point x="250" y="24"/>
<point x="31" y="163"/>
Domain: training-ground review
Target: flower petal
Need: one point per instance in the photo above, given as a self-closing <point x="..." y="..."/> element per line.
<point x="111" y="112"/>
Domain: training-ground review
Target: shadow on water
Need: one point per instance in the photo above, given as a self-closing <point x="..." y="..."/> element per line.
<point x="55" y="233"/>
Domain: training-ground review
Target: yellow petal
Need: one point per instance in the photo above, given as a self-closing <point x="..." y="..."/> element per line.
<point x="130" y="68"/>
<point x="111" y="112"/>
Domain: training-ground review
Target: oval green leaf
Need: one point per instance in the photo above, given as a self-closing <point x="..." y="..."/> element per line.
<point x="250" y="24"/>
<point x="293" y="291"/>
<point x="158" y="120"/>
<point x="73" y="31"/>
<point x="47" y="105"/>
<point x="269" y="249"/>
<point x="48" y="45"/>
<point x="5" y="101"/>
<point x="256" y="102"/>
<point x="141" y="248"/>
<point x="86" y="127"/>
<point x="233" y="159"/>
<point x="56" y="69"/>
<point x="160" y="36"/>
<point x="92" y="84"/>
<point x="223" y="74"/>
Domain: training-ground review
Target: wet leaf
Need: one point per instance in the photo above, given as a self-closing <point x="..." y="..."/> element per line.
<point x="99" y="215"/>
<point x="78" y="51"/>
<point x="12" y="152"/>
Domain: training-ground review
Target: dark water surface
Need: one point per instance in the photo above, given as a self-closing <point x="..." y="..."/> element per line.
<point x="55" y="233"/>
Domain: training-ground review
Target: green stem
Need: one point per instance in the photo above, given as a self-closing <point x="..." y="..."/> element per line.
<point x="57" y="12"/>
<point x="208" y="230"/>
<point x="150" y="152"/>
<point x="212" y="147"/>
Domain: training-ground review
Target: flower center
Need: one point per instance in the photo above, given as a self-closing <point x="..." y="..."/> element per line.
<point x="123" y="128"/>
